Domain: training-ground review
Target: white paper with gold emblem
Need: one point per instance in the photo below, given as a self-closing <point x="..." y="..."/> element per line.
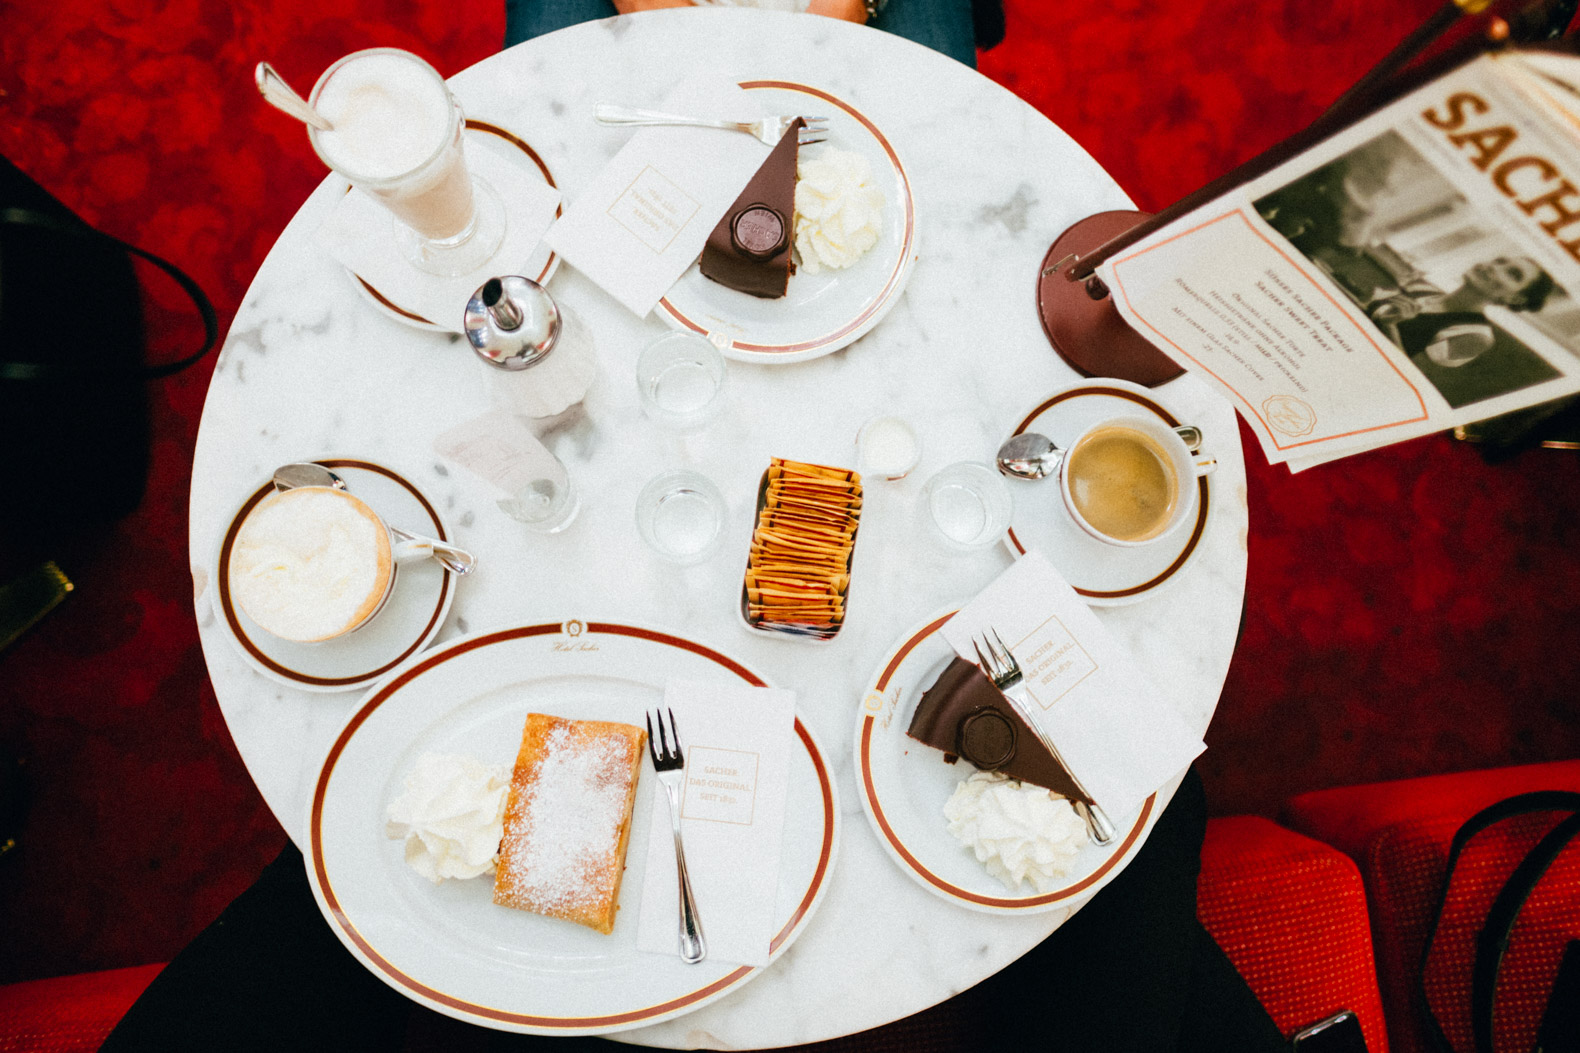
<point x="1415" y="272"/>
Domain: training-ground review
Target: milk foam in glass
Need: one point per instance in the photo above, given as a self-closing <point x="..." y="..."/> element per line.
<point x="397" y="136"/>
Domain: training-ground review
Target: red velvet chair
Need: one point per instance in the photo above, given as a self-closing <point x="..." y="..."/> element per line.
<point x="1399" y="834"/>
<point x="1289" y="911"/>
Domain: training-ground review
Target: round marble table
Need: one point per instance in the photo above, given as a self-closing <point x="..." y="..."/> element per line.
<point x="311" y="369"/>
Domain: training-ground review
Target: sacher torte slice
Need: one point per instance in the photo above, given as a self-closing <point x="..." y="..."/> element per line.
<point x="964" y="715"/>
<point x="749" y="250"/>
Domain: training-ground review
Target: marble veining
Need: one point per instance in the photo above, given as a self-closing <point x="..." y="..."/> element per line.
<point x="311" y="369"/>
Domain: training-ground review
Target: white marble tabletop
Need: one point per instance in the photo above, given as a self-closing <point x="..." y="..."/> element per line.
<point x="310" y="369"/>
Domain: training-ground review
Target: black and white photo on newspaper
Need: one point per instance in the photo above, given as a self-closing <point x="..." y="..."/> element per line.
<point x="1418" y="271"/>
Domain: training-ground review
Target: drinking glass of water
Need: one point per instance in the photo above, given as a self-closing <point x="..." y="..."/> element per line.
<point x="967" y="505"/>
<point x="680" y="514"/>
<point x="680" y="377"/>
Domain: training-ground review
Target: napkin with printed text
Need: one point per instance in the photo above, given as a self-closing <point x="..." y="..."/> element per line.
<point x="1120" y="735"/>
<point x="646" y="215"/>
<point x="737" y="741"/>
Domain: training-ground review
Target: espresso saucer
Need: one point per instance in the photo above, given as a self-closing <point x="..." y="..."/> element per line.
<point x="1104" y="575"/>
<point x="524" y="162"/>
<point x="409" y="621"/>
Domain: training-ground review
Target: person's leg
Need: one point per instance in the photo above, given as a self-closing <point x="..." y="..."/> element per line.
<point x="1131" y="968"/>
<point x="525" y="19"/>
<point x="943" y="25"/>
<point x="267" y="975"/>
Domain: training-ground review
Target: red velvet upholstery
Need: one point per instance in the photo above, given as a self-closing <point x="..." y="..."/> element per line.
<point x="68" y="1013"/>
<point x="1399" y="833"/>
<point x="1291" y="914"/>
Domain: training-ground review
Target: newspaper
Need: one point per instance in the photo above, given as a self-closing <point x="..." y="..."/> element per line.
<point x="1415" y="272"/>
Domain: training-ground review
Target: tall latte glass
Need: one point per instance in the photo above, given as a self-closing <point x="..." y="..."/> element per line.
<point x="398" y="137"/>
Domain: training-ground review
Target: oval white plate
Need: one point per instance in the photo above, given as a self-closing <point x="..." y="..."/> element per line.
<point x="448" y="946"/>
<point x="411" y="618"/>
<point x="1104" y="575"/>
<point x="824" y="312"/>
<point x="904" y="784"/>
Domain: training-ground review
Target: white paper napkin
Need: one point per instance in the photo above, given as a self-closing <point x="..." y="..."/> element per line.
<point x="737" y="741"/>
<point x="360" y="233"/>
<point x="647" y="214"/>
<point x="1119" y="734"/>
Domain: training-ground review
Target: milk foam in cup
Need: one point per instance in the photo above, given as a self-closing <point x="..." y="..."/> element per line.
<point x="397" y="135"/>
<point x="1128" y="481"/>
<point x="311" y="563"/>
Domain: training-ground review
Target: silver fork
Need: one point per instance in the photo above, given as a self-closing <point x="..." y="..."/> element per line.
<point x="769" y="129"/>
<point x="999" y="665"/>
<point x="670" y="764"/>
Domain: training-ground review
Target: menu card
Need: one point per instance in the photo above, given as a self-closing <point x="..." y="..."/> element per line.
<point x="360" y="233"/>
<point x="737" y="741"/>
<point x="1117" y="732"/>
<point x="645" y="217"/>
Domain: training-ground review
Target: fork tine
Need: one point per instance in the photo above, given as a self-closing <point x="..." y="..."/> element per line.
<point x="808" y="140"/>
<point x="1008" y="656"/>
<point x="674" y="732"/>
<point x="984" y="663"/>
<point x="652" y="743"/>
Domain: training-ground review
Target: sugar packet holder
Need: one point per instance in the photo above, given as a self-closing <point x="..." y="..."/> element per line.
<point x="803" y="545"/>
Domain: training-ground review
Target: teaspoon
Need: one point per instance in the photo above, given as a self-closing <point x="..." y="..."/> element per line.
<point x="1033" y="456"/>
<point x="305" y="473"/>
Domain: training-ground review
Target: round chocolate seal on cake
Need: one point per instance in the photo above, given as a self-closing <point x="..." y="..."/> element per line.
<point x="758" y="231"/>
<point x="986" y="739"/>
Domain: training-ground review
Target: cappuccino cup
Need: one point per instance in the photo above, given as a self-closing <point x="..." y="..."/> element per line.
<point x="1128" y="481"/>
<point x="313" y="563"/>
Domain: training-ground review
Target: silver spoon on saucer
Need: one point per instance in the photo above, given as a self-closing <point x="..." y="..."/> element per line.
<point x="305" y="473"/>
<point x="1033" y="456"/>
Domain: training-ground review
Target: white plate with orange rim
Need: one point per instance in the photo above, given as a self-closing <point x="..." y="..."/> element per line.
<point x="540" y="266"/>
<point x="904" y="784"/>
<point x="1104" y="575"/>
<point x="449" y="946"/>
<point x="408" y="622"/>
<point x="823" y="312"/>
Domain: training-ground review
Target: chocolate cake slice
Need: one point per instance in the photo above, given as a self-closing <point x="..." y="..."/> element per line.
<point x="749" y="250"/>
<point x="964" y="715"/>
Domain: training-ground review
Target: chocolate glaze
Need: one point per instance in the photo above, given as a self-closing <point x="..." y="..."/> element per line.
<point x="952" y="716"/>
<point x="761" y="270"/>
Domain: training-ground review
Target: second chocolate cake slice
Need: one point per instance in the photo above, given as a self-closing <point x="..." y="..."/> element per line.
<point x="964" y="715"/>
<point x="749" y="250"/>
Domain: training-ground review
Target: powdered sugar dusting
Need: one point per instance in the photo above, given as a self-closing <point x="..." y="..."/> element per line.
<point x="560" y="853"/>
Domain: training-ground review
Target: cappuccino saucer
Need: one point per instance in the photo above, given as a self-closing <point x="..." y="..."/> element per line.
<point x="412" y="615"/>
<point x="1104" y="575"/>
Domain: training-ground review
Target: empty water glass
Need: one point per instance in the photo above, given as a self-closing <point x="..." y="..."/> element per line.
<point x="967" y="505"/>
<point x="680" y="377"/>
<point x="680" y="514"/>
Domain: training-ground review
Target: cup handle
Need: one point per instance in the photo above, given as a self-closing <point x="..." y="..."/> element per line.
<point x="1204" y="465"/>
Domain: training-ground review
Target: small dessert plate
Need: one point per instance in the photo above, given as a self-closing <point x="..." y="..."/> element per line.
<point x="1104" y="575"/>
<point x="822" y="312"/>
<point x="905" y="783"/>
<point x="542" y="264"/>
<point x="409" y="621"/>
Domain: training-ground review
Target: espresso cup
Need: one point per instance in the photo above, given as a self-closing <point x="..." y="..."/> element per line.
<point x="313" y="563"/>
<point x="1129" y="481"/>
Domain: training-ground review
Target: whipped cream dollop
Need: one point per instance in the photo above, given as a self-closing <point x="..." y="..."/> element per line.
<point x="1016" y="830"/>
<point x="837" y="209"/>
<point x="451" y="815"/>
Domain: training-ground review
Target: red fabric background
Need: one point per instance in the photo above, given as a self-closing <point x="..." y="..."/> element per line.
<point x="1408" y="611"/>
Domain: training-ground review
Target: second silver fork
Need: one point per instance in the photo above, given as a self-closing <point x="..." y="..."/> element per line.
<point x="999" y="665"/>
<point x="769" y="129"/>
<point x="669" y="761"/>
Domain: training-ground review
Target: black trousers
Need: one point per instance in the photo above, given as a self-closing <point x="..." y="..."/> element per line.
<point x="1133" y="970"/>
